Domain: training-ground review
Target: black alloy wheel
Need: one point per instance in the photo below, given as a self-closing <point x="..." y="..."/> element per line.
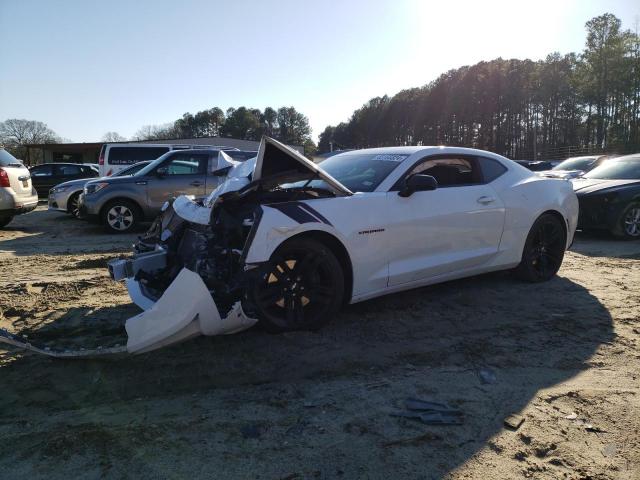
<point x="544" y="249"/>
<point x="301" y="288"/>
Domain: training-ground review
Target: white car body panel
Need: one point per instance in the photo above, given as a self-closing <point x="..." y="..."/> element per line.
<point x="397" y="243"/>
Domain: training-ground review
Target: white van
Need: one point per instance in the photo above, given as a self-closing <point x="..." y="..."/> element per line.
<point x="118" y="156"/>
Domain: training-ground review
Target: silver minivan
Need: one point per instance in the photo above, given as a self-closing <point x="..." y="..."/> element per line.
<point x="17" y="194"/>
<point x="118" y="156"/>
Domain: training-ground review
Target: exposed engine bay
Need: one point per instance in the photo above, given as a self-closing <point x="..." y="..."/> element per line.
<point x="215" y="251"/>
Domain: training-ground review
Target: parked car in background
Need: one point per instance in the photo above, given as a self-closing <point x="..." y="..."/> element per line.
<point x="575" y="166"/>
<point x="17" y="195"/>
<point x="609" y="197"/>
<point x="65" y="197"/>
<point x="535" y="165"/>
<point x="47" y="175"/>
<point x="120" y="203"/>
<point x="115" y="157"/>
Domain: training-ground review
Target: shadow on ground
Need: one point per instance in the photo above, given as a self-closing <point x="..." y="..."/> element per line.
<point x="184" y="410"/>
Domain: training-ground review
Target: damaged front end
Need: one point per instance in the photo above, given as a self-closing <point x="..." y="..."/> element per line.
<point x="190" y="278"/>
<point x="189" y="273"/>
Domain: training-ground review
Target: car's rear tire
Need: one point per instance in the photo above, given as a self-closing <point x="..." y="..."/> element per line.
<point x="628" y="227"/>
<point x="300" y="288"/>
<point x="121" y="216"/>
<point x="4" y="221"/>
<point x="543" y="250"/>
<point x="73" y="205"/>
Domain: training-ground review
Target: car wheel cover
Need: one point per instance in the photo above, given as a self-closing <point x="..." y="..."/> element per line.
<point x="74" y="205"/>
<point x="632" y="222"/>
<point x="547" y="248"/>
<point x="120" y="217"/>
<point x="296" y="289"/>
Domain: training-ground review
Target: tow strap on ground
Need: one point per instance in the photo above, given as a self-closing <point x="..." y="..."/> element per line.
<point x="185" y="310"/>
<point x="21" y="342"/>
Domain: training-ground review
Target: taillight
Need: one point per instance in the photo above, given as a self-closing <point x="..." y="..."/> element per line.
<point x="4" y="179"/>
<point x="101" y="158"/>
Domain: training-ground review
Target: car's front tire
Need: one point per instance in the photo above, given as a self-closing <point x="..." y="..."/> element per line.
<point x="300" y="288"/>
<point x="543" y="250"/>
<point x="73" y="205"/>
<point x="628" y="227"/>
<point x="4" y="221"/>
<point x="121" y="216"/>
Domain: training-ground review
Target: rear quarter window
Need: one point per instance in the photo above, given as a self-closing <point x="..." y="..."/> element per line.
<point x="491" y="169"/>
<point x="131" y="155"/>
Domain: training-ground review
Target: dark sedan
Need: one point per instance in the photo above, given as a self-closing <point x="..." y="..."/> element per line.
<point x="609" y="197"/>
<point x="47" y="175"/>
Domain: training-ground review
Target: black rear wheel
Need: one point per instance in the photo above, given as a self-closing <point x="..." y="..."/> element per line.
<point x="544" y="249"/>
<point x="301" y="288"/>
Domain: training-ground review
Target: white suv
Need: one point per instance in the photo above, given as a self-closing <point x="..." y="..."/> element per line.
<point x="17" y="194"/>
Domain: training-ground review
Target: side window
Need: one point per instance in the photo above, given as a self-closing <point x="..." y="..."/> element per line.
<point x="131" y="155"/>
<point x="491" y="169"/>
<point x="185" y="164"/>
<point x="68" y="170"/>
<point x="451" y="171"/>
<point x="42" y="171"/>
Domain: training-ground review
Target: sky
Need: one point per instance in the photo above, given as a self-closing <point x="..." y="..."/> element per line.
<point x="86" y="67"/>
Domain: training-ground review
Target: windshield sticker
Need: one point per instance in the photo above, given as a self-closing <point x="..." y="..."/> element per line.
<point x="389" y="157"/>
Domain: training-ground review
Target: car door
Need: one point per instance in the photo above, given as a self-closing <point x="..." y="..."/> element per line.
<point x="455" y="227"/>
<point x="42" y="178"/>
<point x="66" y="172"/>
<point x="183" y="173"/>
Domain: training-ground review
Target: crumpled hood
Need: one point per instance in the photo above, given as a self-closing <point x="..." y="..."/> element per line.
<point x="274" y="160"/>
<point x="590" y="185"/>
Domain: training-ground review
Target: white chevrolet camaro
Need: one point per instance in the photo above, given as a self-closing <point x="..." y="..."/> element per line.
<point x="286" y="242"/>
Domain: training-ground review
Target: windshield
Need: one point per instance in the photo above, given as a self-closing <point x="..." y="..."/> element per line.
<point x="132" y="170"/>
<point x="151" y="166"/>
<point x="359" y="172"/>
<point x="582" y="163"/>
<point x="617" y="170"/>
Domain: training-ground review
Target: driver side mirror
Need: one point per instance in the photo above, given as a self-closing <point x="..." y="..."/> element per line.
<point x="418" y="182"/>
<point x="162" y="172"/>
<point x="221" y="172"/>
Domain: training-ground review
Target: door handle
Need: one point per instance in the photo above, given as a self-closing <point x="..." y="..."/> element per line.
<point x="196" y="183"/>
<point x="141" y="182"/>
<point x="485" y="200"/>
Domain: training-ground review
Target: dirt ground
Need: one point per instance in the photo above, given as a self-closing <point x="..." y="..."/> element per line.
<point x="563" y="355"/>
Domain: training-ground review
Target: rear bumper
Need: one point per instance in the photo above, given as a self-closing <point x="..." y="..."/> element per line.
<point x="11" y="204"/>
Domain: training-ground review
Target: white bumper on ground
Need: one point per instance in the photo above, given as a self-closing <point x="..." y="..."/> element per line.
<point x="184" y="311"/>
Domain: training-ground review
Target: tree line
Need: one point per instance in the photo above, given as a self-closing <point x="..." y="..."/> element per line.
<point x="285" y="124"/>
<point x="518" y="108"/>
